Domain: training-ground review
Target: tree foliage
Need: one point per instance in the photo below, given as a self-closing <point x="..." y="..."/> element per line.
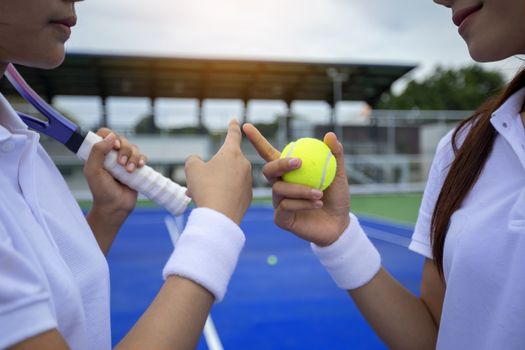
<point x="447" y="89"/>
<point x="147" y="126"/>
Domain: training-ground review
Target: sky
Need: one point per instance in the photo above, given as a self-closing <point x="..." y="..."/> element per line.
<point x="354" y="31"/>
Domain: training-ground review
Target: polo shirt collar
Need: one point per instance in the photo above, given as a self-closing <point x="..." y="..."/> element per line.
<point x="10" y="122"/>
<point x="507" y="122"/>
<point x="513" y="104"/>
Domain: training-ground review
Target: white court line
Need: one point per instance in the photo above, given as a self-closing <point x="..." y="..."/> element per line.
<point x="213" y="341"/>
<point x="174" y="227"/>
<point x="211" y="335"/>
<point x="387" y="236"/>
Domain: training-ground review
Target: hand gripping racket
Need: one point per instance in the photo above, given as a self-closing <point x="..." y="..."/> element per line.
<point x="144" y="180"/>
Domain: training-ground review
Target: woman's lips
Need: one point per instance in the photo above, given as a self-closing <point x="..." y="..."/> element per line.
<point x="461" y="15"/>
<point x="61" y="27"/>
<point x="67" y="22"/>
<point x="64" y="25"/>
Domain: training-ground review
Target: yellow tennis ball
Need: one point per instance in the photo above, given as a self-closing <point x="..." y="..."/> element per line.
<point x="318" y="164"/>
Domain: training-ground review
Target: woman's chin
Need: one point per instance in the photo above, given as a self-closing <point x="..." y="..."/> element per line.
<point x="51" y="65"/>
<point x="484" y="57"/>
<point x="47" y="62"/>
<point x="483" y="54"/>
<point x="43" y="59"/>
<point x="52" y="60"/>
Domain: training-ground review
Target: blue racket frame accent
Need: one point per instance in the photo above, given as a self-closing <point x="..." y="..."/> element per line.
<point x="57" y="126"/>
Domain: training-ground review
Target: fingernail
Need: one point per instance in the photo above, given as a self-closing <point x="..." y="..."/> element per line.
<point x="123" y="160"/>
<point x="295" y="162"/>
<point x="131" y="166"/>
<point x="110" y="137"/>
<point x="142" y="162"/>
<point x="318" y="204"/>
<point x="117" y="143"/>
<point x="317" y="194"/>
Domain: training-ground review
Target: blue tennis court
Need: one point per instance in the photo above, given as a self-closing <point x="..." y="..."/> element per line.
<point x="279" y="297"/>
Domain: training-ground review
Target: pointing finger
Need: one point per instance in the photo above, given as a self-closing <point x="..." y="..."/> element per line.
<point x="233" y="136"/>
<point x="263" y="147"/>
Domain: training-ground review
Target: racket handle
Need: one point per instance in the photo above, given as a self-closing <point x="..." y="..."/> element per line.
<point x="145" y="180"/>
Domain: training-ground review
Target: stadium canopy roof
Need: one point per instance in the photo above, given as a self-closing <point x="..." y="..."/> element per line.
<point x="198" y="78"/>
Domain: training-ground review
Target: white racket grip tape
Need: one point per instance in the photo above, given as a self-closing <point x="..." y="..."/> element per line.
<point x="145" y="180"/>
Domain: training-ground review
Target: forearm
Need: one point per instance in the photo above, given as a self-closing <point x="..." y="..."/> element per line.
<point x="174" y="320"/>
<point x="400" y="319"/>
<point x="105" y="226"/>
<point x="49" y="340"/>
<point x="206" y="254"/>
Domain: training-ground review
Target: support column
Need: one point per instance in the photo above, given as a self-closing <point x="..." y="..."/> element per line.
<point x="200" y="123"/>
<point x="244" y="114"/>
<point x="288" y="123"/>
<point x="283" y="127"/>
<point x="333" y="115"/>
<point x="104" y="120"/>
<point x="153" y="115"/>
<point x="335" y="126"/>
<point x="391" y="135"/>
<point x="338" y="78"/>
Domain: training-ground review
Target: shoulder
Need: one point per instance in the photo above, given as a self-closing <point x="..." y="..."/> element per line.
<point x="443" y="159"/>
<point x="447" y="147"/>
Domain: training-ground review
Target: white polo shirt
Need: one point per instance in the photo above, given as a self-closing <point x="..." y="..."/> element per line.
<point x="484" y="255"/>
<point x="52" y="272"/>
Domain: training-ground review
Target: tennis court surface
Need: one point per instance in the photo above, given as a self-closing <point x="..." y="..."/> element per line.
<point x="279" y="297"/>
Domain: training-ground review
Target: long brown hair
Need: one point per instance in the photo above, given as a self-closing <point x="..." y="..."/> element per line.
<point x="469" y="160"/>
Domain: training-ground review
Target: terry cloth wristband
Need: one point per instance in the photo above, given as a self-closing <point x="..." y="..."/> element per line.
<point x="352" y="260"/>
<point x="207" y="251"/>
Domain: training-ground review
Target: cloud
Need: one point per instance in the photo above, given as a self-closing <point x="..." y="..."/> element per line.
<point x="378" y="31"/>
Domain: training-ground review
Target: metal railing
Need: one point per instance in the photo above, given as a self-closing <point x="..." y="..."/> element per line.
<point x="371" y="163"/>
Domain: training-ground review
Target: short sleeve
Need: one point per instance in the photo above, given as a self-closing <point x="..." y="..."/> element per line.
<point x="438" y="171"/>
<point x="25" y="306"/>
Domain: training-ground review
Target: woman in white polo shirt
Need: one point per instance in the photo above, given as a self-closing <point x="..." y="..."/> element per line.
<point x="54" y="281"/>
<point x="471" y="224"/>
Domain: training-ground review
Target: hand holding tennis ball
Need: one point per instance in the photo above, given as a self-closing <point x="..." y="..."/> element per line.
<point x="318" y="164"/>
<point x="313" y="215"/>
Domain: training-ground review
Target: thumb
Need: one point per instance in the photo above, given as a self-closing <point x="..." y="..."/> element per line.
<point x="330" y="139"/>
<point x="101" y="149"/>
<point x="194" y="170"/>
<point x="193" y="164"/>
<point x="234" y="135"/>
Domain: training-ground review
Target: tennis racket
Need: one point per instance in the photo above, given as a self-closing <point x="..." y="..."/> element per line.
<point x="145" y="180"/>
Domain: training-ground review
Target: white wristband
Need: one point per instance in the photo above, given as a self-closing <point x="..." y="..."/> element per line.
<point x="352" y="260"/>
<point x="207" y="251"/>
